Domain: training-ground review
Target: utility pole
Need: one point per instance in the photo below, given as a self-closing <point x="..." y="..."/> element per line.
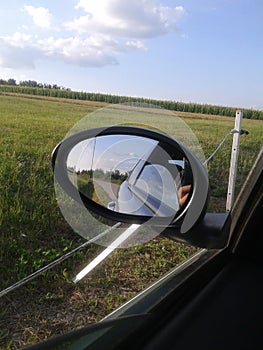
<point x="237" y="131"/>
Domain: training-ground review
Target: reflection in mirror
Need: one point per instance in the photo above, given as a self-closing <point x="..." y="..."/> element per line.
<point x="131" y="174"/>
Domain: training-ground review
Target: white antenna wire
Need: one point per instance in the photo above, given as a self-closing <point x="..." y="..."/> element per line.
<point x="115" y="244"/>
<point x="56" y="262"/>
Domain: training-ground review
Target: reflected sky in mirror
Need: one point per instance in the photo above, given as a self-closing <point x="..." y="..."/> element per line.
<point x="121" y="151"/>
<point x="104" y="152"/>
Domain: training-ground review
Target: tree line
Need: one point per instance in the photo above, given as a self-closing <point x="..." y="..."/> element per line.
<point x="34" y="88"/>
<point x="32" y="83"/>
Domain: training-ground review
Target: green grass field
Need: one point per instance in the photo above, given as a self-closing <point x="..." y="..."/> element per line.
<point x="34" y="232"/>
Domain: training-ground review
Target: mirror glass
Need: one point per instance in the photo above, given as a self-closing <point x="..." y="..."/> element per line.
<point x="131" y="174"/>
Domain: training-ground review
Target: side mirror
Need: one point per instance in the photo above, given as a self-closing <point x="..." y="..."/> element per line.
<point x="135" y="176"/>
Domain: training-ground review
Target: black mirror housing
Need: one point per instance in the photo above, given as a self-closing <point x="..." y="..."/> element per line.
<point x="81" y="165"/>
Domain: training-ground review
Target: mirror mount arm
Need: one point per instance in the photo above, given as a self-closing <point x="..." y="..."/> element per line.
<point x="210" y="233"/>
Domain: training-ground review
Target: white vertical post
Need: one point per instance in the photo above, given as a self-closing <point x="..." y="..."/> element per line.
<point x="234" y="161"/>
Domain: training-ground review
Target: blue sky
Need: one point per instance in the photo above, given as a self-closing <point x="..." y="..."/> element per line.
<point x="205" y="51"/>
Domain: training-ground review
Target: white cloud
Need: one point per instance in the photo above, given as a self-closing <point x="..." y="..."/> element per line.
<point x="17" y="56"/>
<point x="17" y="39"/>
<point x="92" y="51"/>
<point x="123" y="18"/>
<point x="136" y="44"/>
<point x="106" y="29"/>
<point x="20" y="50"/>
<point x="40" y="16"/>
